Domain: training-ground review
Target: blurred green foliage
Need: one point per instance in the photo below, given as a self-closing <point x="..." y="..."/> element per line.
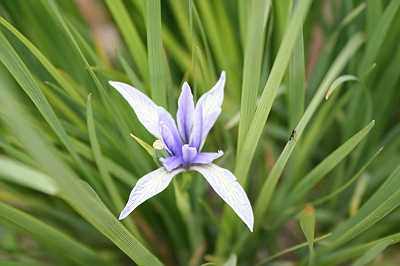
<point x="67" y="162"/>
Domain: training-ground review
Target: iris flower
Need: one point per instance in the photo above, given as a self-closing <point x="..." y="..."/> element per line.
<point x="183" y="143"/>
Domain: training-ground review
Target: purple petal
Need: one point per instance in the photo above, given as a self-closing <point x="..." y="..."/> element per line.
<point x="210" y="106"/>
<point x="188" y="153"/>
<point x="145" y="109"/>
<point x="225" y="185"/>
<point x="169" y="132"/>
<point x="148" y="186"/>
<point x="207" y="157"/>
<point x="171" y="163"/>
<point x="184" y="116"/>
<point x="197" y="129"/>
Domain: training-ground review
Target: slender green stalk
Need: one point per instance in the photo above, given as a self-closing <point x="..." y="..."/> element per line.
<point x="155" y="53"/>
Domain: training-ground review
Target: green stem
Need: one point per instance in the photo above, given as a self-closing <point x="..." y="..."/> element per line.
<point x="181" y="186"/>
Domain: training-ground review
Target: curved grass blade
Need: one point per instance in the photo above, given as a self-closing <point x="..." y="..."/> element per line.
<point x="45" y="62"/>
<point x="53" y="238"/>
<point x="268" y="95"/>
<point x="348" y="253"/>
<point x="252" y="66"/>
<point x="338" y="82"/>
<point x="326" y="166"/>
<point x="262" y="111"/>
<point x="130" y="73"/>
<point x="15" y="172"/>
<point x="117" y="118"/>
<point x="386" y="199"/>
<point x="348" y="183"/>
<point x="131" y="35"/>
<point x="268" y="187"/>
<point x="291" y="249"/>
<point x="378" y="37"/>
<point x="372" y="253"/>
<point x="77" y="196"/>
<point x="98" y="158"/>
<point x="105" y="175"/>
<point x="14" y="64"/>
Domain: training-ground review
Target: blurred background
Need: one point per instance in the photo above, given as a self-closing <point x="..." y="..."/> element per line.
<point x="327" y="196"/>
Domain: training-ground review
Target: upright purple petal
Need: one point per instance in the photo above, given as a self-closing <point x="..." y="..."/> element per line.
<point x="184" y="116"/>
<point x="188" y="154"/>
<point x="207" y="157"/>
<point x="210" y="105"/>
<point x="169" y="132"/>
<point x="145" y="109"/>
<point x="148" y="186"/>
<point x="170" y="163"/>
<point x="167" y="137"/>
<point x="225" y="185"/>
<point x="197" y="129"/>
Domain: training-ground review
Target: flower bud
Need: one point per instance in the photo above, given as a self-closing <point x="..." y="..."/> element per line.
<point x="159" y="151"/>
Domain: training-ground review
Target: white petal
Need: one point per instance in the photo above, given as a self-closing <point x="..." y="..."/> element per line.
<point x="184" y="116"/>
<point x="226" y="186"/>
<point x="144" y="107"/>
<point x="210" y="105"/>
<point x="148" y="186"/>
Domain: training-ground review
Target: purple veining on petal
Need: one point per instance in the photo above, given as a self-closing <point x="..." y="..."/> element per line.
<point x="184" y="116"/>
<point x="209" y="121"/>
<point x="188" y="153"/>
<point x="144" y="107"/>
<point x="169" y="133"/>
<point x="168" y="140"/>
<point x="194" y="125"/>
<point x="210" y="105"/>
<point x="207" y="157"/>
<point x="171" y="163"/>
<point x="197" y="129"/>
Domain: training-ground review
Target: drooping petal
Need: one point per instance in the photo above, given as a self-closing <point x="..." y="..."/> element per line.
<point x="197" y="129"/>
<point x="148" y="186"/>
<point x="225" y="185"/>
<point x="188" y="153"/>
<point x="184" y="116"/>
<point x="171" y="163"/>
<point x="207" y="157"/>
<point x="210" y="104"/>
<point x="145" y="109"/>
<point x="169" y="132"/>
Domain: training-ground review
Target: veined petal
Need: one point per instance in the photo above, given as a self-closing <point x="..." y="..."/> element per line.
<point x="207" y="157"/>
<point x="188" y="153"/>
<point x="197" y="129"/>
<point x="169" y="132"/>
<point x="226" y="186"/>
<point x="171" y="163"/>
<point x="148" y="186"/>
<point x="145" y="109"/>
<point x="184" y="116"/>
<point x="210" y="104"/>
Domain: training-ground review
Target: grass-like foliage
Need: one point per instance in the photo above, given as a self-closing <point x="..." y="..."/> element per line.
<point x="310" y="127"/>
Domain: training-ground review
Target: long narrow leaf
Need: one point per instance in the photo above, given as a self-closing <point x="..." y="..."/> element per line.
<point x="130" y="34"/>
<point x="88" y="206"/>
<point x="20" y="72"/>
<point x="252" y="66"/>
<point x="378" y="206"/>
<point x="267" y="189"/>
<point x="326" y="165"/>
<point x="21" y="174"/>
<point x="156" y="60"/>
<point x="57" y="240"/>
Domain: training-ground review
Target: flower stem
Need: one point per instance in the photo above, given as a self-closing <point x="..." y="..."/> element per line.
<point x="181" y="186"/>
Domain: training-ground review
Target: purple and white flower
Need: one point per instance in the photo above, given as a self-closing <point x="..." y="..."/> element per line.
<point x="183" y="143"/>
